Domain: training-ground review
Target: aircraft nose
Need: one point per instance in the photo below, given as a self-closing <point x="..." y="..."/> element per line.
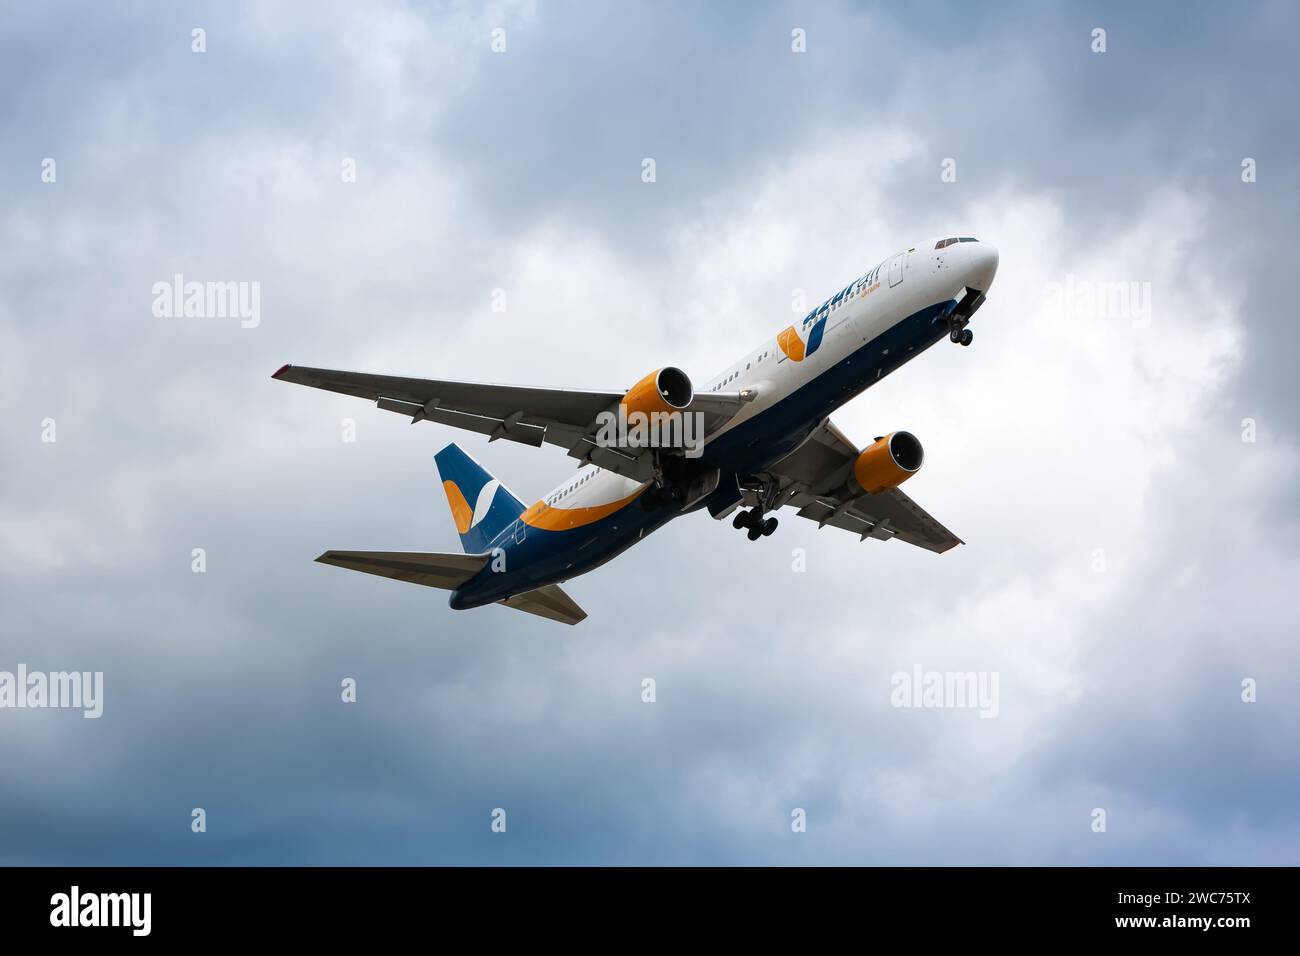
<point x="981" y="265"/>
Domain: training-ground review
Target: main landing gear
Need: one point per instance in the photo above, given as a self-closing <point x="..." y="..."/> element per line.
<point x="765" y="492"/>
<point x="759" y="527"/>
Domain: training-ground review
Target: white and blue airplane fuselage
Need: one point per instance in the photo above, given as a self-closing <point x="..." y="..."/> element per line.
<point x="763" y="446"/>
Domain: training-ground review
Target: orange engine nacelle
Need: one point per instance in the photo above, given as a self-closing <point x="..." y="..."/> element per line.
<point x="888" y="462"/>
<point x="666" y="390"/>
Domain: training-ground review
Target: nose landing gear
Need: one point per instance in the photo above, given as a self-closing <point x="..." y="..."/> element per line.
<point x="958" y="334"/>
<point x="959" y="318"/>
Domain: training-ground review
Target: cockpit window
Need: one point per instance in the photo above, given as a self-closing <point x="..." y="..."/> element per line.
<point x="944" y="243"/>
<point x="967" y="239"/>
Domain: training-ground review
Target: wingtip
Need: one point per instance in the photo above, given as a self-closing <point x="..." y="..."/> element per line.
<point x="281" y="370"/>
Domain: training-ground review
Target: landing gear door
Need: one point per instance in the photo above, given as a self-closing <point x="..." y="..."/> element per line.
<point x="896" y="269"/>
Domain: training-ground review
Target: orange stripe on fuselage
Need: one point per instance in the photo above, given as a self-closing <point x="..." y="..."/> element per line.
<point x="549" y="518"/>
<point x="461" y="512"/>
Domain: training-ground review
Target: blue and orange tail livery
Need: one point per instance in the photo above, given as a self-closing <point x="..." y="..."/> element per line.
<point x="481" y="506"/>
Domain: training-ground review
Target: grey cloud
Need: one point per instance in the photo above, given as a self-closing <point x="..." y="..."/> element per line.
<point x="222" y="688"/>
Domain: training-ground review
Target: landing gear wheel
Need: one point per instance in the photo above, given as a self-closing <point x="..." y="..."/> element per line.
<point x="967" y="336"/>
<point x="754" y="533"/>
<point x="768" y="527"/>
<point x="957" y="333"/>
<point x="649" y="500"/>
<point x="741" y="519"/>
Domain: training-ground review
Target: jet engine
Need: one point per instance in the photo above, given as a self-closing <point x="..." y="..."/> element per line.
<point x="887" y="462"/>
<point x="666" y="390"/>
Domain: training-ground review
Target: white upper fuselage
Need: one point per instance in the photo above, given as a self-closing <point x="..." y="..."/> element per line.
<point x="857" y="314"/>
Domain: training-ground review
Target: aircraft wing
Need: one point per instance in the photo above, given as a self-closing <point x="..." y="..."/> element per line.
<point x="822" y="463"/>
<point x="531" y="415"/>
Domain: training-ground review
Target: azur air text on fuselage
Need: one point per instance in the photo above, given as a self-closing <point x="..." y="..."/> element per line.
<point x="813" y="332"/>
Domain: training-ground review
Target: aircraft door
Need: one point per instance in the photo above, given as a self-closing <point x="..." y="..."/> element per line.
<point x="896" y="269"/>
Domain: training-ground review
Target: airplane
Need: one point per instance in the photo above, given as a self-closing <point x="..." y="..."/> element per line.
<point x="764" y="440"/>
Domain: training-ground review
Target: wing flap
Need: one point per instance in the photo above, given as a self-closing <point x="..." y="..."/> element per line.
<point x="509" y="428"/>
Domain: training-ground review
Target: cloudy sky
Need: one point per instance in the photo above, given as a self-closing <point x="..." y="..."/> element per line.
<point x="1126" y="479"/>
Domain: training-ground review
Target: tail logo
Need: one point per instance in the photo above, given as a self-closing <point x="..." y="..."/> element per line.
<point x="465" y="516"/>
<point x="460" y="509"/>
<point x="484" y="502"/>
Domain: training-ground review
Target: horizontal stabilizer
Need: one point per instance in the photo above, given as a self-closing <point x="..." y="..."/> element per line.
<point x="450" y="571"/>
<point x="432" y="569"/>
<point x="549" y="602"/>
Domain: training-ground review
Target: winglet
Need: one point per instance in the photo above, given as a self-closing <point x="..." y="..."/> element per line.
<point x="283" y="368"/>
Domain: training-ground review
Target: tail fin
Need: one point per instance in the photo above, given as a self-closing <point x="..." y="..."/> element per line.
<point x="481" y="506"/>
